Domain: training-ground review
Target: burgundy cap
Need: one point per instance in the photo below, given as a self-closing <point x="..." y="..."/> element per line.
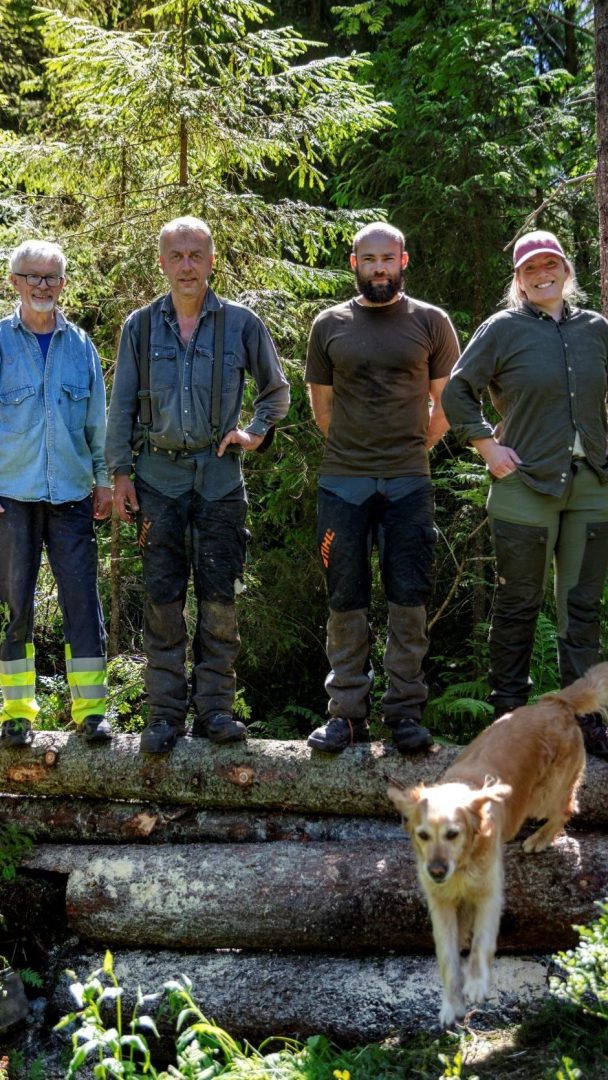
<point x="536" y="243"/>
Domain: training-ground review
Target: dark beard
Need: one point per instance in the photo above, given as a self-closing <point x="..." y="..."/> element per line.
<point x="380" y="293"/>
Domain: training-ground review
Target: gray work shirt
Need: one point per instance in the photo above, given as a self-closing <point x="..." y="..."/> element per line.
<point x="547" y="380"/>
<point x="180" y="389"/>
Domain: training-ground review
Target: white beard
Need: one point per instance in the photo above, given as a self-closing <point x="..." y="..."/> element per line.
<point x="42" y="305"/>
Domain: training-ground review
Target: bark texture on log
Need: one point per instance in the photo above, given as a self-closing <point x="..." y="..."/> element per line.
<point x="85" y="821"/>
<point x="266" y="774"/>
<point x="260" y="773"/>
<point x="331" y="897"/>
<point x="350" y="1000"/>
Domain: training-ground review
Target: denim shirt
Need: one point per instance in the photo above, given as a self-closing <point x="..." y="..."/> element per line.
<point x="52" y="414"/>
<point x="181" y="381"/>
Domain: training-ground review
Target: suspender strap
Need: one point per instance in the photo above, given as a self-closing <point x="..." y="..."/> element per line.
<point x="216" y="386"/>
<point x="145" y="411"/>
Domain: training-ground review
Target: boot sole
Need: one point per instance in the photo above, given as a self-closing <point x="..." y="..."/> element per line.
<point x="220" y="740"/>
<point x="164" y="749"/>
<point x="416" y="749"/>
<point x="321" y="745"/>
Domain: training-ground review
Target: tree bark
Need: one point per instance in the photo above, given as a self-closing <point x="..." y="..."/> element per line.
<point x="260" y="774"/>
<point x="253" y="996"/>
<point x="601" y="96"/>
<point x="83" y="821"/>
<point x="332" y="897"/>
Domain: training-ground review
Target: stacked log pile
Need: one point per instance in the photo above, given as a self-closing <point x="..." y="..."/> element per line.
<point x="278" y="880"/>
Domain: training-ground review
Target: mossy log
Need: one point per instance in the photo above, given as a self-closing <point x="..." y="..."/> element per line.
<point x="260" y="774"/>
<point x="331" y="897"/>
<point x="352" y="1000"/>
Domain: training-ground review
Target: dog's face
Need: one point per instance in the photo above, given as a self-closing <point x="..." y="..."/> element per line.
<point x="446" y="823"/>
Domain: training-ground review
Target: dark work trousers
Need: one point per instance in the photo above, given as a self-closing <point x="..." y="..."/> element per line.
<point x="177" y="535"/>
<point x="530" y="531"/>
<point x="66" y="531"/>
<point x="405" y="536"/>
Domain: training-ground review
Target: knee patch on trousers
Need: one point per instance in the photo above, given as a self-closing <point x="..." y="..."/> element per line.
<point x="521" y="562"/>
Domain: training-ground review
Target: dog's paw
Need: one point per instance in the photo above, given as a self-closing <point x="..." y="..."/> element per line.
<point x="537" y="842"/>
<point x="477" y="987"/>
<point x="451" y="1011"/>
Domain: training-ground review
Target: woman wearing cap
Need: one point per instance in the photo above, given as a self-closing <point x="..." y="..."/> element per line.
<point x="544" y="362"/>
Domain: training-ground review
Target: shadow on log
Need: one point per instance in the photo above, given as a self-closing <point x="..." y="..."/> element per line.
<point x="85" y="821"/>
<point x="353" y="898"/>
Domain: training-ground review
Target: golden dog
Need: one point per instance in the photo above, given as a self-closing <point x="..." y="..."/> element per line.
<point x="528" y="764"/>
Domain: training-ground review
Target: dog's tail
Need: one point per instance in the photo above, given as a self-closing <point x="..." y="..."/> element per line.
<point x="589" y="694"/>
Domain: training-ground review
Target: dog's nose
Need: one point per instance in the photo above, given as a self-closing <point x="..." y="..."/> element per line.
<point x="437" y="869"/>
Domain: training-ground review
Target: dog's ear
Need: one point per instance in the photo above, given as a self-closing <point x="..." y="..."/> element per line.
<point x="496" y="792"/>
<point x="480" y="805"/>
<point x="405" y="801"/>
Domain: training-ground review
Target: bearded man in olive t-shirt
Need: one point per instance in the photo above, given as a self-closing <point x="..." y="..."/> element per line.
<point x="374" y="365"/>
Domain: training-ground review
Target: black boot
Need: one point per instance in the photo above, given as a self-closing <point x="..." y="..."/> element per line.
<point x="16" y="733"/>
<point x="409" y="736"/>
<point x="595" y="734"/>
<point x="219" y="728"/>
<point x="337" y="734"/>
<point x="160" y="736"/>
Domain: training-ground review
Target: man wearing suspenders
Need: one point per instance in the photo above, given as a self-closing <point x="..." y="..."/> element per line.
<point x="174" y="416"/>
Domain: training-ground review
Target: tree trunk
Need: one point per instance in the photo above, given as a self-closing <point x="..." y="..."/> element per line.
<point x="601" y="91"/>
<point x="266" y="774"/>
<point x="332" y="897"/>
<point x="350" y="1000"/>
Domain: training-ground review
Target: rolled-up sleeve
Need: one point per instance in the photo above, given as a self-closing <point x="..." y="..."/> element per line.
<point x="461" y="398"/>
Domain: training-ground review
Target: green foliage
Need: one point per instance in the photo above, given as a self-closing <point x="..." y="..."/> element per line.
<point x="488" y="119"/>
<point x="31" y="977"/>
<point x="116" y="117"/>
<point x="120" y="1050"/>
<point x="287" y="724"/>
<point x="126" y="691"/>
<point x="583" y="978"/>
<point x="15" y="844"/>
<point x="114" y="1047"/>
<point x="20" y="1070"/>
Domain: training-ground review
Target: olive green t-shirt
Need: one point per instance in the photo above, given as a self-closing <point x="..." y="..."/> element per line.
<point x="379" y="361"/>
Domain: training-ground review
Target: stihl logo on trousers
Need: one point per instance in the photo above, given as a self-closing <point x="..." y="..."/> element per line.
<point x="326" y="546"/>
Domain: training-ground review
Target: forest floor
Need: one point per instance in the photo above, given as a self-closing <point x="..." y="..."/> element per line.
<point x="555" y="1042"/>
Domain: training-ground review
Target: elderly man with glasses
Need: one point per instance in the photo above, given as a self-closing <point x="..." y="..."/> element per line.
<point x="53" y="485"/>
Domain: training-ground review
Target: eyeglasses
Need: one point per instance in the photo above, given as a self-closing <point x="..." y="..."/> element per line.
<point x="52" y="280"/>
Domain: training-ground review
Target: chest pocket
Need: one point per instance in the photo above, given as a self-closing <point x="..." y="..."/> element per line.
<point x="233" y="373"/>
<point x="163" y="367"/>
<point x="74" y="405"/>
<point x="18" y="409"/>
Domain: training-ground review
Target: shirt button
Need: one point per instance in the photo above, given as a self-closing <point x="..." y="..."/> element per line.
<point x="564" y="475"/>
<point x="570" y="448"/>
<point x="571" y="395"/>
